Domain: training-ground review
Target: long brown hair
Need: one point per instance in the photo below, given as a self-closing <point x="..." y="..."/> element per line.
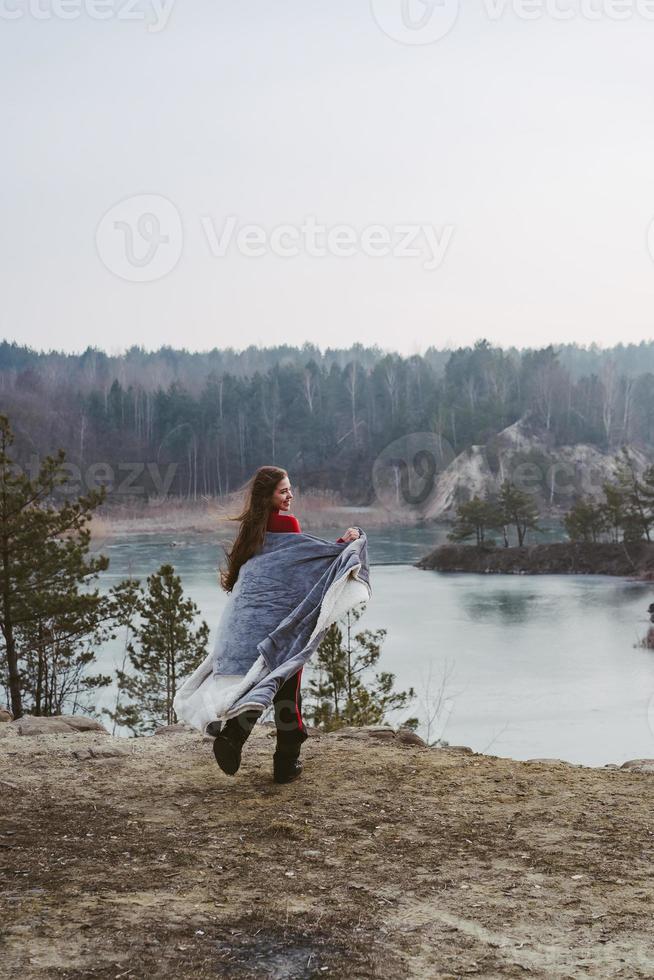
<point x="253" y="518"/>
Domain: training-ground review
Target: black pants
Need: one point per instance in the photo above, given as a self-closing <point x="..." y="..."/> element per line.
<point x="291" y="730"/>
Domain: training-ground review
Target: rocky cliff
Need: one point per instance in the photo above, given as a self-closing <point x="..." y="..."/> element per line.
<point x="525" y="453"/>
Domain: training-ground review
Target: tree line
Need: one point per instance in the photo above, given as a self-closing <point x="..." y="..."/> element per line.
<point x="198" y="424"/>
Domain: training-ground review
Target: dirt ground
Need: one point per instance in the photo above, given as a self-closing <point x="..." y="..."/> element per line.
<point x="140" y="858"/>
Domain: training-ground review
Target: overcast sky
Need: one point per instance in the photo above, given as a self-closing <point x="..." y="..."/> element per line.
<point x="511" y="158"/>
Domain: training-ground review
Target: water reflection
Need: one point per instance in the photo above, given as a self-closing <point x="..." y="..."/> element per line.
<point x="505" y="606"/>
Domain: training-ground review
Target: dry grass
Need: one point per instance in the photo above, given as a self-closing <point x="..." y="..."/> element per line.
<point x="314" y="509"/>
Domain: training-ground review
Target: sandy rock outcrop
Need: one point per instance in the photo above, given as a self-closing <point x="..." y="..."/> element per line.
<point x="173" y="729"/>
<point x="382" y="733"/>
<point x="556" y="475"/>
<point x="639" y="765"/>
<point x="56" y="724"/>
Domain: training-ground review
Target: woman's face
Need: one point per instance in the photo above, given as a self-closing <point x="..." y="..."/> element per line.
<point x="283" y="494"/>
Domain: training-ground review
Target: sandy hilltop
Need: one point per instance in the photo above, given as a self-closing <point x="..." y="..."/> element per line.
<point x="139" y="858"/>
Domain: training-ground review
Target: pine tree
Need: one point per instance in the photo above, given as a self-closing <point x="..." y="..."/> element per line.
<point x="614" y="510"/>
<point x="339" y="694"/>
<point x="584" y="522"/>
<point x="518" y="510"/>
<point x="475" y="517"/>
<point x="127" y="599"/>
<point x="57" y="653"/>
<point x="166" y="647"/>
<point x="48" y="625"/>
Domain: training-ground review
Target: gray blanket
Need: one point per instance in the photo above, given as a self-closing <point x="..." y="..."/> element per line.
<point x="284" y="600"/>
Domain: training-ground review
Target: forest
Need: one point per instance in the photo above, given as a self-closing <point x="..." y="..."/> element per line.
<point x="208" y="419"/>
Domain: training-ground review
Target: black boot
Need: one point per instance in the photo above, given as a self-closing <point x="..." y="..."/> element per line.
<point x="227" y="746"/>
<point x="286" y="765"/>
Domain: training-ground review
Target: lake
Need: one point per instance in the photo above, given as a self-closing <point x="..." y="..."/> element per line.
<point x="527" y="666"/>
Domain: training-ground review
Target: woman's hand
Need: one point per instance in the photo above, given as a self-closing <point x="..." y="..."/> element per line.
<point x="350" y="535"/>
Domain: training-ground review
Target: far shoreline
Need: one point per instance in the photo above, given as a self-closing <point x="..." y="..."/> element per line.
<point x="212" y="516"/>
<point x="633" y="560"/>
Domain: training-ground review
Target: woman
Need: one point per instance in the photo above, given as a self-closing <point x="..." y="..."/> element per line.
<point x="266" y="510"/>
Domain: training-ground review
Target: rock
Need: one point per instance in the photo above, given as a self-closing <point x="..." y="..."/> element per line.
<point x="408" y="737"/>
<point x="5" y="715"/>
<point x="109" y="752"/>
<point x="31" y="725"/>
<point x="178" y="729"/>
<point x="346" y="733"/>
<point x="100" y="752"/>
<point x="455" y="748"/>
<point x="57" y="724"/>
<point x="639" y="765"/>
<point x="557" y="762"/>
<point x="379" y="731"/>
<point x="383" y="732"/>
<point x="80" y="723"/>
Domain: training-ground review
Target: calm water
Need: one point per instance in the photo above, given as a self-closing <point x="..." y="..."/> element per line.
<point x="528" y="666"/>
